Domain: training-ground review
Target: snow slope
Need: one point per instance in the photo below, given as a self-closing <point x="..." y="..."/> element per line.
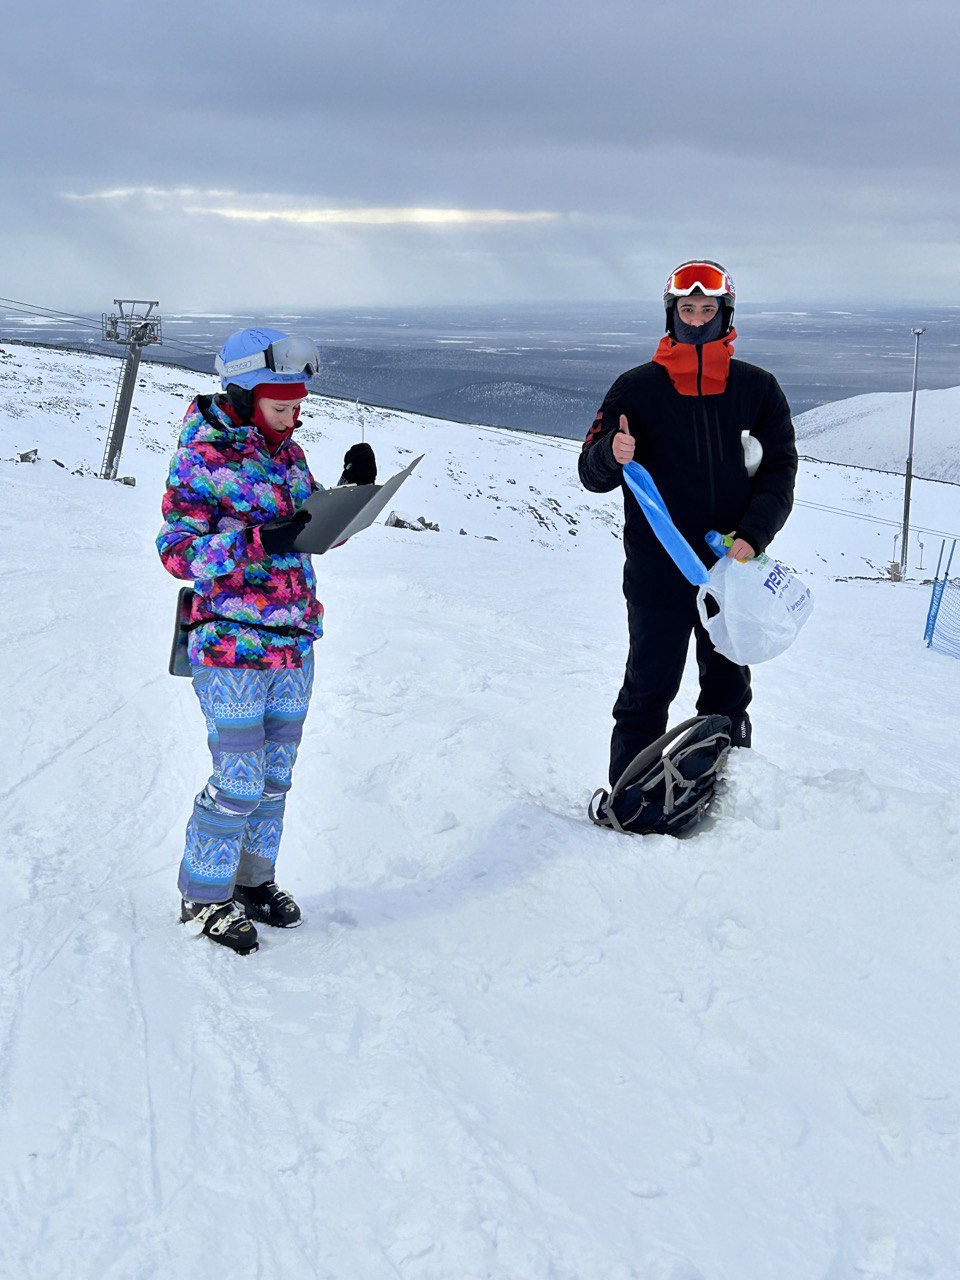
<point x="506" y="1045"/>
<point x="874" y="431"/>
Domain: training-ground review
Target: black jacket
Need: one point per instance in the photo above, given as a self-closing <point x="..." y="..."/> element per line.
<point x="691" y="446"/>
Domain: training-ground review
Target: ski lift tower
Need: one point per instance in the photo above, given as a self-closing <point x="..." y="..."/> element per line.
<point x="134" y="326"/>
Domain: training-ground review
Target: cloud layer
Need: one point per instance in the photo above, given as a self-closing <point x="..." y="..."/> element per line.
<point x="415" y="151"/>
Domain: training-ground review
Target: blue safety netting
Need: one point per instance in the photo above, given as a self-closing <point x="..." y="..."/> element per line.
<point x="942" y="631"/>
<point x="943" y="618"/>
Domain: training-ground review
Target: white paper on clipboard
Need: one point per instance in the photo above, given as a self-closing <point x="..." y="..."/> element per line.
<point x="337" y="514"/>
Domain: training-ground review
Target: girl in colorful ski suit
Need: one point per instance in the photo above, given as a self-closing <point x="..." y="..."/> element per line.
<point x="232" y="512"/>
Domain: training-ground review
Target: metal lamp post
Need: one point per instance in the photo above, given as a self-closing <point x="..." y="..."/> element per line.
<point x="908" y="477"/>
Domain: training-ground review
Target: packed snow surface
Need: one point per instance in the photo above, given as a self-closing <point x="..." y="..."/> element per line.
<point x="505" y="1045"/>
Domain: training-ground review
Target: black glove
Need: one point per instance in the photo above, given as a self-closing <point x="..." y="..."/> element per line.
<point x="278" y="536"/>
<point x="359" y="465"/>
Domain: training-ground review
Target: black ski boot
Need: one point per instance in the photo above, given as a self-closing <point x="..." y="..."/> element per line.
<point x="741" y="732"/>
<point x="223" y="923"/>
<point x="269" y="904"/>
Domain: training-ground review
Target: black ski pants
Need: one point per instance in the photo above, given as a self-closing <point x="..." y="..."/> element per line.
<point x="659" y="639"/>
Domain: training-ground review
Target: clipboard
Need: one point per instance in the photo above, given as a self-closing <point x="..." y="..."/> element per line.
<point x="337" y="514"/>
<point x="179" y="664"/>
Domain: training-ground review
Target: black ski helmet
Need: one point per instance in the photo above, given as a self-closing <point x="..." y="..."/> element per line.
<point x="716" y="283"/>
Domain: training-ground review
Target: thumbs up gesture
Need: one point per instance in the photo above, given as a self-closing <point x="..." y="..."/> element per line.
<point x="623" y="442"/>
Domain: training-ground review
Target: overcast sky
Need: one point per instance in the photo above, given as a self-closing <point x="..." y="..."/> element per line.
<point x="313" y="153"/>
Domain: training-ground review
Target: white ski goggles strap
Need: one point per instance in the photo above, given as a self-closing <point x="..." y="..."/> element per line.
<point x="243" y="364"/>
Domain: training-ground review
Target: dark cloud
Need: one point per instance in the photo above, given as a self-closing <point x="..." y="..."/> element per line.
<point x="829" y="126"/>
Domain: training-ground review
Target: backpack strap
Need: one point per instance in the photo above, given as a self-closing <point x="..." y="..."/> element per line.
<point x="642" y="762"/>
<point x="671" y="776"/>
<point x="603" y="815"/>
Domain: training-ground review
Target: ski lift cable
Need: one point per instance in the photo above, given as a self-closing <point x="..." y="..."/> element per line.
<point x="859" y="515"/>
<point x="174" y="345"/>
<point x="569" y="446"/>
<point x="574" y="446"/>
<point x="12" y="304"/>
<point x="35" y="309"/>
<point x="184" y="344"/>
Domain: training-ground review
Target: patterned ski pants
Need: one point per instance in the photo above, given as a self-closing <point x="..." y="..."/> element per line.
<point x="254" y="725"/>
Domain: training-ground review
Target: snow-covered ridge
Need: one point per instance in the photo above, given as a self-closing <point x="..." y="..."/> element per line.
<point x="492" y="482"/>
<point x="874" y="430"/>
<point x="505" y="1045"/>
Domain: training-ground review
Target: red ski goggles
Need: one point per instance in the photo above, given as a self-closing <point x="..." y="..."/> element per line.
<point x="705" y="276"/>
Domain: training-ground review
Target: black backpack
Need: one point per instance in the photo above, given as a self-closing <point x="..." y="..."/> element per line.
<point x="669" y="786"/>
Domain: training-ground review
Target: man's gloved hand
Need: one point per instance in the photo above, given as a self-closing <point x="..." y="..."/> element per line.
<point x="359" y="465"/>
<point x="278" y="536"/>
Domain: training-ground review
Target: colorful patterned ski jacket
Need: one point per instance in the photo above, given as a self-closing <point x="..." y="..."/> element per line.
<point x="250" y="609"/>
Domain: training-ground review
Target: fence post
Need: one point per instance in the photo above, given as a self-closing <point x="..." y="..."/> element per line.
<point x="936" y="593"/>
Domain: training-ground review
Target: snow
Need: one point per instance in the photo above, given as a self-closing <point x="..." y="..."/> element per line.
<point x="874" y="431"/>
<point x="505" y="1045"/>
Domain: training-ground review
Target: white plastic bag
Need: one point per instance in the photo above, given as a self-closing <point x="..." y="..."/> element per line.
<point x="762" y="606"/>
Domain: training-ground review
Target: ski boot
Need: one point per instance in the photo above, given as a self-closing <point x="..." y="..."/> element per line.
<point x="223" y="923"/>
<point x="268" y="904"/>
<point x="741" y="732"/>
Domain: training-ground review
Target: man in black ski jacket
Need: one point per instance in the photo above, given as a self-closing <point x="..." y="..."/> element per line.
<point x="683" y="416"/>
